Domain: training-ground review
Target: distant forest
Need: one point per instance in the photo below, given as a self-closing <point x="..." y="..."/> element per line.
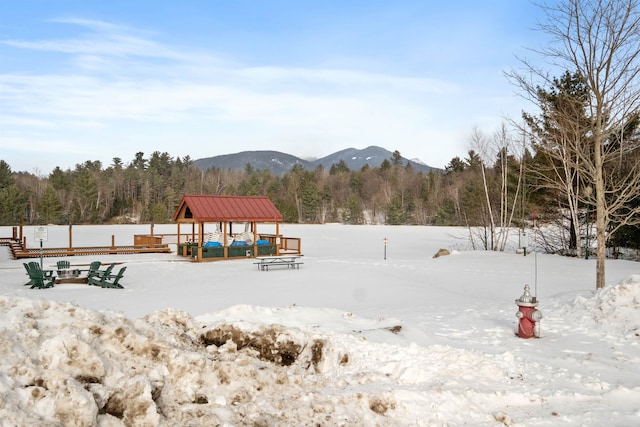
<point x="486" y="194"/>
<point x="148" y="190"/>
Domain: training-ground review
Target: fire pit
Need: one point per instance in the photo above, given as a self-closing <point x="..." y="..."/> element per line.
<point x="68" y="273"/>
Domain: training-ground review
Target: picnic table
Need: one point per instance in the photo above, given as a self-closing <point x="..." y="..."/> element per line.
<point x="290" y="261"/>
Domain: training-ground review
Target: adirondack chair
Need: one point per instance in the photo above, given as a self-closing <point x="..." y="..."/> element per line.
<point x="99" y="275"/>
<point x="112" y="281"/>
<point x="35" y="265"/>
<point x="28" y="268"/>
<point x="39" y="278"/>
<point x="48" y="274"/>
<point x="108" y="280"/>
<point x="94" y="269"/>
<point x="63" y="264"/>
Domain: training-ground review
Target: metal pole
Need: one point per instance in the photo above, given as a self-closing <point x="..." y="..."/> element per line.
<point x="385" y="248"/>
<point x="535" y="256"/>
<point x="535" y="284"/>
<point x="586" y="252"/>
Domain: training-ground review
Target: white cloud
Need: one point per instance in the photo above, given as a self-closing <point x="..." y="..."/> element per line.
<point x="114" y="78"/>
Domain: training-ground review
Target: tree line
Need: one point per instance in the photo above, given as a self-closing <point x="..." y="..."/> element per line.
<point x="499" y="185"/>
<point x="148" y="190"/>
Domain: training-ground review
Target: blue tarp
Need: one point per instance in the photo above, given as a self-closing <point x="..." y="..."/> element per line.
<point x="236" y="243"/>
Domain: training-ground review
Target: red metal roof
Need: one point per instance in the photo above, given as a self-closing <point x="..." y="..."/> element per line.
<point x="228" y="208"/>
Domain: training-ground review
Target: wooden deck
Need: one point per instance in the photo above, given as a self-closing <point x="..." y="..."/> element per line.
<point x="18" y="251"/>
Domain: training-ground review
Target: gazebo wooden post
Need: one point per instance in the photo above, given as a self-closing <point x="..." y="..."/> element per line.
<point x="254" y="228"/>
<point x="184" y="250"/>
<point x="200" y="237"/>
<point x="225" y="242"/>
<point x="278" y="240"/>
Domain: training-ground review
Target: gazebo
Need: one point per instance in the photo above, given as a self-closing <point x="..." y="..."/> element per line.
<point x="224" y="242"/>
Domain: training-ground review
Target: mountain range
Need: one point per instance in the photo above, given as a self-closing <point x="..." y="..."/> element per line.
<point x="280" y="163"/>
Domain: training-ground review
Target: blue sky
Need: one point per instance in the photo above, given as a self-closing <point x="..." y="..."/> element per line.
<point x="94" y="80"/>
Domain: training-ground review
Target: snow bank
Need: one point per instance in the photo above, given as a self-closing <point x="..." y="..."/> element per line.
<point x="65" y="365"/>
<point x="612" y="311"/>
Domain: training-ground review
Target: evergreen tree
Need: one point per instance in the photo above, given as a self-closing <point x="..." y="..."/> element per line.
<point x="353" y="211"/>
<point x="13" y="205"/>
<point x="455" y="165"/>
<point x="339" y="167"/>
<point x="13" y="202"/>
<point x="396" y="214"/>
<point x="396" y="158"/>
<point x="310" y="200"/>
<point x="6" y="178"/>
<point x="49" y="208"/>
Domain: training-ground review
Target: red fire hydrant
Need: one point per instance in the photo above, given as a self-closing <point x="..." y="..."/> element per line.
<point x="529" y="315"/>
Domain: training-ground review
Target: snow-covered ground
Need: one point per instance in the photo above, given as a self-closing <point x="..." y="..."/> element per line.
<point x="349" y="339"/>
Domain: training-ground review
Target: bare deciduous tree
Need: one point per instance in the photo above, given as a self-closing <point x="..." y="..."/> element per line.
<point x="499" y="217"/>
<point x="599" y="40"/>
